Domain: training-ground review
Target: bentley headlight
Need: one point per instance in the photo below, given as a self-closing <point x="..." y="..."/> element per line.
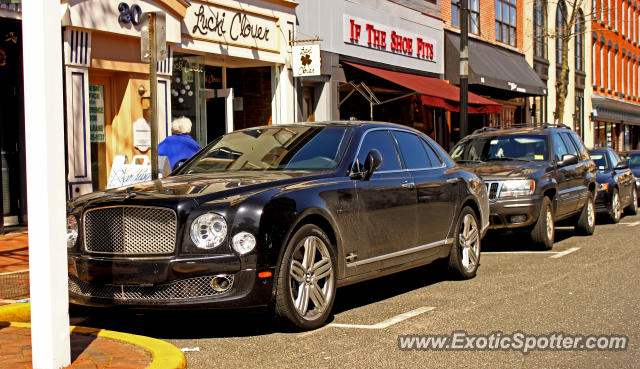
<point x="72" y="231"/>
<point x="517" y="187"/>
<point x="243" y="242"/>
<point x="208" y="230"/>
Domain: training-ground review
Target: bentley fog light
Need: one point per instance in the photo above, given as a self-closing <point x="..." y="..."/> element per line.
<point x="72" y="231"/>
<point x="517" y="187"/>
<point x="208" y="230"/>
<point x="244" y="242"/>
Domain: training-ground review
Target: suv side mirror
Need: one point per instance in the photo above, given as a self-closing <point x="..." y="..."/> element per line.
<point x="568" y="159"/>
<point x="371" y="163"/>
<point x="622" y="165"/>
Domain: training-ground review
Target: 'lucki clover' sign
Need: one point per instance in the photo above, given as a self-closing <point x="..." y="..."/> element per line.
<point x="230" y="26"/>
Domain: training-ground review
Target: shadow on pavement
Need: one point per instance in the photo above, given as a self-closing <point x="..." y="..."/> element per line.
<point x="520" y="241"/>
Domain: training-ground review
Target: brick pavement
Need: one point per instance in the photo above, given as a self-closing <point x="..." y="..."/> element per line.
<point x="14" y="265"/>
<point x="87" y="351"/>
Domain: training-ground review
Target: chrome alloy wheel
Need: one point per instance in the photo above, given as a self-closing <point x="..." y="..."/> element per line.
<point x="591" y="214"/>
<point x="615" y="206"/>
<point x="549" y="224"/>
<point x="469" y="241"/>
<point x="311" y="278"/>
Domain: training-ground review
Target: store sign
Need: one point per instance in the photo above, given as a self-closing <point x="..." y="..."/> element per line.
<point x="306" y="60"/>
<point x="379" y="37"/>
<point x="96" y="113"/>
<point x="229" y="26"/>
<point x="141" y="135"/>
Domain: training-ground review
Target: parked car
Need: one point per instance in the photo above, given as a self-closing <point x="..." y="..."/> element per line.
<point x="535" y="176"/>
<point x="279" y="216"/>
<point x="633" y="156"/>
<point x="617" y="187"/>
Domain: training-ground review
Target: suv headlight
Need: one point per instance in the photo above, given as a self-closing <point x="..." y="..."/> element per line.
<point x="517" y="187"/>
<point x="72" y="231"/>
<point x="208" y="230"/>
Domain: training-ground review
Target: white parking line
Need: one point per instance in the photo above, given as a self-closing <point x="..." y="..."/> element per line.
<point x="387" y="323"/>
<point x="517" y="252"/>
<point x="631" y="224"/>
<point x="565" y="252"/>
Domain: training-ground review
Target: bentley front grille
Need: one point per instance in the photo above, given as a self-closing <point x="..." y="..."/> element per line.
<point x="178" y="290"/>
<point x="130" y="230"/>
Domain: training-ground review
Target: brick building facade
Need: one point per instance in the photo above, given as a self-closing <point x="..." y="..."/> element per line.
<point x="616" y="64"/>
<point x="497" y="63"/>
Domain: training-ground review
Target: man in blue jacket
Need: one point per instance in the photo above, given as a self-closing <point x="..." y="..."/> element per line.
<point x="179" y="145"/>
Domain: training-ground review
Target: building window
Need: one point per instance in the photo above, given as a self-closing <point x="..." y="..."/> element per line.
<point x="560" y="25"/>
<point x="615" y="14"/>
<point x="609" y="66"/>
<point x="540" y="28"/>
<point x="506" y="21"/>
<point x="474" y="15"/>
<point x="593" y="63"/>
<point x="578" y="122"/>
<point x="579" y="46"/>
<point x="601" y="10"/>
<point x="615" y="71"/>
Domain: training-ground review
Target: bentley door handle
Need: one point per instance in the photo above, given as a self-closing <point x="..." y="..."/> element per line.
<point x="452" y="180"/>
<point x="409" y="185"/>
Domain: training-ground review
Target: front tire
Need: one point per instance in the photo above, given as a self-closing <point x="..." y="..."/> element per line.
<point x="306" y="285"/>
<point x="615" y="211"/>
<point x="543" y="233"/>
<point x="632" y="209"/>
<point x="464" y="257"/>
<point x="587" y="221"/>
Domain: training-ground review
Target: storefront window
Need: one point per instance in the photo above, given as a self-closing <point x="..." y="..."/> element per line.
<point x="187" y="97"/>
<point x="540" y="109"/>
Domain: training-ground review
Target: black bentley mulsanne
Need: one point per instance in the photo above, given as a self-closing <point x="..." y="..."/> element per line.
<point x="278" y="216"/>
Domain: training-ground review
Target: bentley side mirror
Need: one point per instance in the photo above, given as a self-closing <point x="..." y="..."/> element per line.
<point x="371" y="164"/>
<point x="568" y="159"/>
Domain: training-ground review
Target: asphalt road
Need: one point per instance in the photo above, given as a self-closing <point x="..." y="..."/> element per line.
<point x="587" y="285"/>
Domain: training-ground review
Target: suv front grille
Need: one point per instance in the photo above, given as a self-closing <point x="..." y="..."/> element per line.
<point x="130" y="230"/>
<point x="493" y="189"/>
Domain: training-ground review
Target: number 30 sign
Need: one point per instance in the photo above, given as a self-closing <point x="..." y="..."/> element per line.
<point x="131" y="14"/>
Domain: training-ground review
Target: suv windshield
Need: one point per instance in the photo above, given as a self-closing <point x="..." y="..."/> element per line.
<point x="506" y="147"/>
<point x="277" y="148"/>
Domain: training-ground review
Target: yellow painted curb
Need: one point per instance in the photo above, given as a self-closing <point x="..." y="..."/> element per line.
<point x="18" y="312"/>
<point x="164" y="355"/>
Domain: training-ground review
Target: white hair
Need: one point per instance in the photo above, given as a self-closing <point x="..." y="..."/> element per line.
<point x="181" y="125"/>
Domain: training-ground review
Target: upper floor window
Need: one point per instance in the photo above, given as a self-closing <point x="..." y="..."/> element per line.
<point x="561" y="21"/>
<point x="506" y="21"/>
<point x="474" y="15"/>
<point x="579" y="46"/>
<point x="540" y="28"/>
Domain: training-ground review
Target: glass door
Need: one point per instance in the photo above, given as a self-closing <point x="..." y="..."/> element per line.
<point x="187" y="94"/>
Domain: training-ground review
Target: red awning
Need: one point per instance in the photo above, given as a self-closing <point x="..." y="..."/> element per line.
<point x="433" y="91"/>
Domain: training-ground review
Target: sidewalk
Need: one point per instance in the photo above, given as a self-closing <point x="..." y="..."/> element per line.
<point x="90" y="347"/>
<point x="14" y="266"/>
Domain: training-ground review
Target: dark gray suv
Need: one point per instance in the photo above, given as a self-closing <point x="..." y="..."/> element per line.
<point x="535" y="176"/>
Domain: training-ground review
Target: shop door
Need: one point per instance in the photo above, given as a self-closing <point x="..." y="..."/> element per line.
<point x="99" y="121"/>
<point x="219" y="112"/>
<point x="13" y="199"/>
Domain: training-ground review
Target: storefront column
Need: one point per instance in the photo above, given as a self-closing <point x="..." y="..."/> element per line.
<point x="77" y="59"/>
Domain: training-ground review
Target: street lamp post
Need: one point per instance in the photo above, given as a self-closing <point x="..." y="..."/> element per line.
<point x="464" y="68"/>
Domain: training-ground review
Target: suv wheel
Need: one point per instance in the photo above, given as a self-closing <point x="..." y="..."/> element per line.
<point x="543" y="232"/>
<point x="306" y="284"/>
<point x="632" y="209"/>
<point x="587" y="220"/>
<point x="615" y="211"/>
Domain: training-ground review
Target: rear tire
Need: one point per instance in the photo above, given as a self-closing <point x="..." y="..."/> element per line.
<point x="306" y="284"/>
<point x="632" y="209"/>
<point x="615" y="211"/>
<point x="587" y="221"/>
<point x="464" y="257"/>
<point x="543" y="233"/>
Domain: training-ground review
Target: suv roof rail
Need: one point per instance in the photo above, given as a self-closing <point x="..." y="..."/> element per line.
<point x="555" y="125"/>
<point x="523" y="125"/>
<point x="484" y="129"/>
